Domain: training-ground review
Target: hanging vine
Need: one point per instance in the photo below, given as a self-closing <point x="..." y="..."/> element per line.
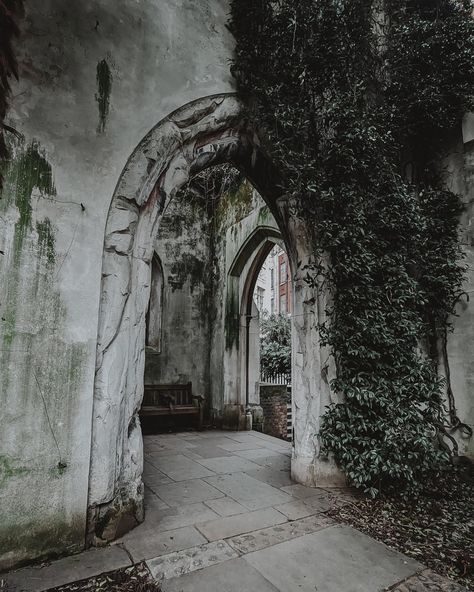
<point x="349" y="92"/>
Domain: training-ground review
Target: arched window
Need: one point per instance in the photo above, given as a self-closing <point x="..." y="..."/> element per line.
<point x="155" y="306"/>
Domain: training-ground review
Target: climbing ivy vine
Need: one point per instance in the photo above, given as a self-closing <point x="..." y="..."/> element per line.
<point x="358" y="98"/>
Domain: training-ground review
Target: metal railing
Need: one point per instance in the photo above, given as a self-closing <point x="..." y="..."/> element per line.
<point x="276" y="378"/>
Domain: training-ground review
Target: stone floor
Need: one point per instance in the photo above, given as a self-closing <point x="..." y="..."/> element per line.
<point x="222" y="515"/>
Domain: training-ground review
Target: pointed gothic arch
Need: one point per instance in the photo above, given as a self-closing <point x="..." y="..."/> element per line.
<point x="204" y="133"/>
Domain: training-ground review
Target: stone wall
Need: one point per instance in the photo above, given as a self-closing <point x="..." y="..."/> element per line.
<point x="94" y="78"/>
<point x="183" y="244"/>
<point x="458" y="168"/>
<point x="274" y="399"/>
<point x="236" y="217"/>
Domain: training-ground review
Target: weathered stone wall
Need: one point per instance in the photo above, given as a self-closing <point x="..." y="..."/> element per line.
<point x="183" y="244"/>
<point x="230" y="218"/>
<point x="274" y="399"/>
<point x="459" y="171"/>
<point x="244" y="231"/>
<point x="94" y="78"/>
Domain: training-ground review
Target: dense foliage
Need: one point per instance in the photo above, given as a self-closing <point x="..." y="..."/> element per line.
<point x="275" y="345"/>
<point x="356" y="103"/>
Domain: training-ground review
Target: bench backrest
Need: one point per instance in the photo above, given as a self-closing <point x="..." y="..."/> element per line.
<point x="161" y="395"/>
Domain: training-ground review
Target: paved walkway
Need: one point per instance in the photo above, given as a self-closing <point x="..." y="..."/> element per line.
<point x="222" y="515"/>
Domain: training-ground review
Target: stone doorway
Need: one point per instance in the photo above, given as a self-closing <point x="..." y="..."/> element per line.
<point x="202" y="134"/>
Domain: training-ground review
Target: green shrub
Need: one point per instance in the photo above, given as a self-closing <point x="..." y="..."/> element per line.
<point x="275" y="345"/>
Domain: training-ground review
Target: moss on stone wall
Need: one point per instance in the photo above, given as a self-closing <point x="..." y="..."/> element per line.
<point x="234" y="205"/>
<point x="232" y="318"/>
<point x="46" y="239"/>
<point x="187" y="268"/>
<point x="104" y="89"/>
<point x="27" y="170"/>
<point x="8" y="469"/>
<point x="41" y="374"/>
<point x="50" y="537"/>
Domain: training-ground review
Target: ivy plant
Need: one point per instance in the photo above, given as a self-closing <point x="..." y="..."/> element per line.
<point x="357" y="99"/>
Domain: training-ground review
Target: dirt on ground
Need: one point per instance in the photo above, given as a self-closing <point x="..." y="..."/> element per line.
<point x="129" y="579"/>
<point x="436" y="527"/>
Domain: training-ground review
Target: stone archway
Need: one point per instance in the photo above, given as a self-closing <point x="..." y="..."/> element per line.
<point x="250" y="325"/>
<point x="241" y="277"/>
<point x="204" y="133"/>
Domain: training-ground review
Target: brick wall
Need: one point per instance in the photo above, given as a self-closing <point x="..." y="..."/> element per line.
<point x="273" y="400"/>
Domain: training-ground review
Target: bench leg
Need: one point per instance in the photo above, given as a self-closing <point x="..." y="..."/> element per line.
<point x="200" y="417"/>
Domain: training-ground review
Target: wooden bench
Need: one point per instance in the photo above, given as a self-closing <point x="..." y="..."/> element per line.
<point x="172" y="399"/>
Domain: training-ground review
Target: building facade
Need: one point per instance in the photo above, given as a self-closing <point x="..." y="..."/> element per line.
<point x="273" y="286"/>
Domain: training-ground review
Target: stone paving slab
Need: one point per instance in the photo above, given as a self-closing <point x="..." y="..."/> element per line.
<point x="235" y="575"/>
<point x="152" y="501"/>
<point x="178" y="517"/>
<point x="156" y="478"/>
<point x="148" y="468"/>
<point x="173" y="447"/>
<point x="296" y="510"/>
<point x="223" y="528"/>
<point x="321" y="503"/>
<point x="180" y="468"/>
<point x="64" y="571"/>
<point x="233" y="446"/>
<point x="212" y="433"/>
<point x="147" y="543"/>
<point x="338" y="558"/>
<point x="302" y="492"/>
<point x="209" y="444"/>
<point x="271" y="476"/>
<point x="281" y="448"/>
<point x="226" y="465"/>
<point x="250" y="492"/>
<point x="244" y="437"/>
<point x="189" y="434"/>
<point x="175" y="440"/>
<point x="183" y="562"/>
<point x="261" y="539"/>
<point x="267" y="458"/>
<point x="264" y="436"/>
<point x="187" y="492"/>
<point x="226" y="506"/>
<point x="428" y="581"/>
<point x="207" y="450"/>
